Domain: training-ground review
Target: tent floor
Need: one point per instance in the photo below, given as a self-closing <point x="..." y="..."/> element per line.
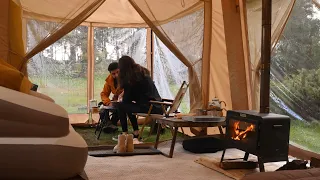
<point x="181" y="166"/>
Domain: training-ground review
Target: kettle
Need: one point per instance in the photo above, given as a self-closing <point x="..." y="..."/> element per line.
<point x="216" y="104"/>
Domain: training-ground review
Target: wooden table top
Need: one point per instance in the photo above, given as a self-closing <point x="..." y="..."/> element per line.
<point x="174" y="122"/>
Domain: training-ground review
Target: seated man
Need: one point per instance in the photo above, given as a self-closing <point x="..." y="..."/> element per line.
<point x="111" y="86"/>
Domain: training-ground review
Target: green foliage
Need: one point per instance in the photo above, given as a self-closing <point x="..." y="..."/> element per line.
<point x="295" y="63"/>
<point x="301" y="92"/>
<point x="295" y="69"/>
<point x="299" y="46"/>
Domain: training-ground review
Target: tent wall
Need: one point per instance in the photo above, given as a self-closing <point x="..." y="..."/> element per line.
<point x="235" y="54"/>
<point x="246" y="51"/>
<point x="219" y="84"/>
<point x="206" y="52"/>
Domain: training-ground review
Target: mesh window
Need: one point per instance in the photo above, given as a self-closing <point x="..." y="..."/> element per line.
<point x="110" y="45"/>
<point x="61" y="69"/>
<point x="295" y="75"/>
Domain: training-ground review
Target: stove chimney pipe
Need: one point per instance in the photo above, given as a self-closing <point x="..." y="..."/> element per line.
<point x="265" y="56"/>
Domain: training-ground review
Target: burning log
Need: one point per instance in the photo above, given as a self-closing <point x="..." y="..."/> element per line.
<point x="238" y="165"/>
<point x="241" y="134"/>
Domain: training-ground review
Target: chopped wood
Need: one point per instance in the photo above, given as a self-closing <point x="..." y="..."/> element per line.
<point x="239" y="165"/>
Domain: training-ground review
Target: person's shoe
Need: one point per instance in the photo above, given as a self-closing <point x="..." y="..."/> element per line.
<point x="110" y="129"/>
<point x="163" y="130"/>
<point x="121" y="146"/>
<point x="129" y="143"/>
<point x="136" y="139"/>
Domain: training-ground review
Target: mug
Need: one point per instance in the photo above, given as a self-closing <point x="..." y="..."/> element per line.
<point x="201" y="112"/>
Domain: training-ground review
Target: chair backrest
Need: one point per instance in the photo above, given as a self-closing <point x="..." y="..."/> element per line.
<point x="177" y="100"/>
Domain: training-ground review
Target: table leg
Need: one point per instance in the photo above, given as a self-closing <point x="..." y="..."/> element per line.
<point x="103" y="122"/>
<point x="98" y="126"/>
<point x="158" y="135"/>
<point x="173" y="143"/>
<point x="220" y="129"/>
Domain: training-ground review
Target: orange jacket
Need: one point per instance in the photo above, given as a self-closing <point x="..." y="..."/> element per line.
<point x="109" y="88"/>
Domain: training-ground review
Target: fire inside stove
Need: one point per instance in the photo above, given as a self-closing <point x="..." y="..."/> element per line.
<point x="241" y="130"/>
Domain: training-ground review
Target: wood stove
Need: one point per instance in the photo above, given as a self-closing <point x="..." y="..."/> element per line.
<point x="265" y="135"/>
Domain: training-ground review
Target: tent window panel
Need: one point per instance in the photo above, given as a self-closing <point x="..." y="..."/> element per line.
<point x="61" y="69"/>
<point x="60" y="12"/>
<point x="295" y="75"/>
<point x="169" y="73"/>
<point x="112" y="43"/>
<point x="187" y="34"/>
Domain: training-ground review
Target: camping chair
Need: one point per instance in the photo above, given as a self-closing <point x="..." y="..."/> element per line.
<point x="169" y="107"/>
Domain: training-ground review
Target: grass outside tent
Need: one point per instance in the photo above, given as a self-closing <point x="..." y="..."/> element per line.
<point x="306" y="135"/>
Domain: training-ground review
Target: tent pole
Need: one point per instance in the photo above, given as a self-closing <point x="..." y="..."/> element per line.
<point x="90" y="70"/>
<point x="265" y="56"/>
<point x="150" y="51"/>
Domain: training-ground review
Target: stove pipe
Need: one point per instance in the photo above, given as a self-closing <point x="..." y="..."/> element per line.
<point x="265" y="56"/>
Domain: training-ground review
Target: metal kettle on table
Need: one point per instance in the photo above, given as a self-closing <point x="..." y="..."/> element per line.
<point x="216" y="104"/>
<point x="215" y="108"/>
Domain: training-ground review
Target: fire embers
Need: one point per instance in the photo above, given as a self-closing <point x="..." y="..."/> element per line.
<point x="239" y="133"/>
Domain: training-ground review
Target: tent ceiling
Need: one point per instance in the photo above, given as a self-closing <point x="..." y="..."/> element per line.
<point x="111" y="13"/>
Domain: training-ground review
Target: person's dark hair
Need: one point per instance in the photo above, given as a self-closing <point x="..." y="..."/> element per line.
<point x="130" y="72"/>
<point x="113" y="66"/>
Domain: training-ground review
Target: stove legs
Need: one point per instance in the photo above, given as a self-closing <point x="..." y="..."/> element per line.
<point x="223" y="153"/>
<point x="261" y="165"/>
<point x="246" y="156"/>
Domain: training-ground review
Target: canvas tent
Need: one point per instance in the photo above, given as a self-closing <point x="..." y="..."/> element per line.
<point x="218" y="41"/>
<point x="215" y="71"/>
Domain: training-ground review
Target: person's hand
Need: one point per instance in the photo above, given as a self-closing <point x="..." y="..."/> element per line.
<point x="120" y="97"/>
<point x="115" y="98"/>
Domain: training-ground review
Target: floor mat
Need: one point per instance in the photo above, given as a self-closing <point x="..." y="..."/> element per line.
<point x="108" y="151"/>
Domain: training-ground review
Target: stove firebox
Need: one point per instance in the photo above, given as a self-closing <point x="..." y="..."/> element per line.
<point x="265" y="135"/>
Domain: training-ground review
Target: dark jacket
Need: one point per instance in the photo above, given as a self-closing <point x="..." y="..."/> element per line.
<point x="141" y="92"/>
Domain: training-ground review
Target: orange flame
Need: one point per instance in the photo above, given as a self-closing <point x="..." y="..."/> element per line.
<point x="241" y="134"/>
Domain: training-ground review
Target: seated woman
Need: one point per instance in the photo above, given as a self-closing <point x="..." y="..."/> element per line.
<point x="139" y="89"/>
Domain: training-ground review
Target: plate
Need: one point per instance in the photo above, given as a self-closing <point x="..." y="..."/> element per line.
<point x="203" y="118"/>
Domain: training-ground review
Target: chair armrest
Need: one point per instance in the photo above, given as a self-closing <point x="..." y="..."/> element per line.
<point x="168" y="100"/>
<point x="23" y="115"/>
<point x="161" y="103"/>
